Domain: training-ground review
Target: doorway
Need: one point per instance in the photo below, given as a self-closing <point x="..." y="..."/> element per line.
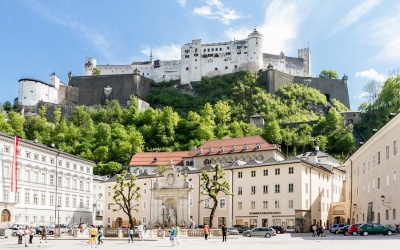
<point x="5" y="215"/>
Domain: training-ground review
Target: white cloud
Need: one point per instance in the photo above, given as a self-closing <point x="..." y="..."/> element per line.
<point x="214" y="9"/>
<point x="384" y="33"/>
<point x="165" y="52"/>
<point x="182" y="2"/>
<point x="371" y="74"/>
<point x="355" y="14"/>
<point x="281" y="25"/>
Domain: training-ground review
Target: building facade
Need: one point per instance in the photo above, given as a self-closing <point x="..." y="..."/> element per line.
<point x="267" y="188"/>
<point x="53" y="187"/>
<point x="372" y="181"/>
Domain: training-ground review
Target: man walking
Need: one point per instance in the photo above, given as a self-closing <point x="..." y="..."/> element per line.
<point x="44" y="234"/>
<point x="177" y="233"/>
<point x="206" y="231"/>
<point x="314" y="230"/>
<point x="224" y="229"/>
<point x="172" y="236"/>
<point x="99" y="237"/>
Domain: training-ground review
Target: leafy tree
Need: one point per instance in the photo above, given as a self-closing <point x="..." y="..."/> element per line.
<point x="17" y="124"/>
<point x="7" y="106"/>
<point x="328" y="73"/>
<point x="110" y="168"/>
<point x="213" y="182"/>
<point x="96" y="71"/>
<point x="272" y="133"/>
<point x="127" y="195"/>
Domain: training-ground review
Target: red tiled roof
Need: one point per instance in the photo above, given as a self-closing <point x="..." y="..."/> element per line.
<point x="253" y="143"/>
<point x="163" y="158"/>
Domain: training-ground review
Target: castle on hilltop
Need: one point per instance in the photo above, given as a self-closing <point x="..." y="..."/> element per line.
<point x="213" y="59"/>
<point x="121" y="82"/>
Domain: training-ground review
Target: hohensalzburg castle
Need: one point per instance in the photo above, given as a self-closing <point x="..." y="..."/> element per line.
<point x="214" y="59"/>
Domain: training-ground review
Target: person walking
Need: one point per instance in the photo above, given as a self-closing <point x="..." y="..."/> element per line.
<point x="31" y="234"/>
<point x="177" y="233"/>
<point x="130" y="235"/>
<point x="140" y="231"/>
<point x="314" y="230"/>
<point x="27" y="232"/>
<point x="44" y="234"/>
<point x="100" y="235"/>
<point x="20" y="234"/>
<point x="224" y="229"/>
<point x="172" y="236"/>
<point x="206" y="231"/>
<point x="93" y="236"/>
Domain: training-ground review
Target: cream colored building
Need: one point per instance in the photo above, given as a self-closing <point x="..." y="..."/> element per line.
<point x="372" y="181"/>
<point x="267" y="189"/>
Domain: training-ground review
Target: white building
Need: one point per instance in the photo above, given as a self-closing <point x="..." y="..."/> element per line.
<point x="213" y="59"/>
<point x="372" y="183"/>
<point x="98" y="199"/>
<point x="53" y="187"/>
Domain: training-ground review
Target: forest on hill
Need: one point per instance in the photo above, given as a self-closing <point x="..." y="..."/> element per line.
<point x="215" y="108"/>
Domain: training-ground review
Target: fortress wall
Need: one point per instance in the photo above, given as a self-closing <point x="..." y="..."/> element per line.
<point x="115" y="69"/>
<point x="289" y="65"/>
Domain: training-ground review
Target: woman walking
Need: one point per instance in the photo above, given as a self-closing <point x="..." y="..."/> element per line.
<point x="130" y="234"/>
<point x="44" y="234"/>
<point x="27" y="232"/>
<point x="99" y="237"/>
<point x="206" y="231"/>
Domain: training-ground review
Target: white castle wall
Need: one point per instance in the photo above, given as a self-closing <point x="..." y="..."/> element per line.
<point x="31" y="91"/>
<point x="198" y="60"/>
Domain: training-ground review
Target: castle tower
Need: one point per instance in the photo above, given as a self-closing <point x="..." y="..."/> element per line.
<point x="255" y="51"/>
<point x="54" y="80"/>
<point x="306" y="55"/>
<point x="90" y="64"/>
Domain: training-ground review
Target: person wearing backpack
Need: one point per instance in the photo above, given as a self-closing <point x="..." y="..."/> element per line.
<point x="99" y="241"/>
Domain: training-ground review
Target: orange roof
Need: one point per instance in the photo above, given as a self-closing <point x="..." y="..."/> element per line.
<point x="232" y="146"/>
<point x="158" y="158"/>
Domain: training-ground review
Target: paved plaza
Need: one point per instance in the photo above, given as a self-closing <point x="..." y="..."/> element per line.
<point x="279" y="242"/>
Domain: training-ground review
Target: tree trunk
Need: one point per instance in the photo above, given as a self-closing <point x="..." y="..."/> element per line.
<point x="213" y="212"/>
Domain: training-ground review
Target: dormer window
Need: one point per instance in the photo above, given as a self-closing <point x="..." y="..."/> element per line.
<point x="210" y="150"/>
<point x="233" y="148"/>
<point x="155" y="159"/>
<point x="200" y="151"/>
<point x="258" y="146"/>
<point x="245" y="147"/>
<point x="221" y="149"/>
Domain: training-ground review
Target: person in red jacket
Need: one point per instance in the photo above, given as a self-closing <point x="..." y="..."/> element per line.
<point x="206" y="231"/>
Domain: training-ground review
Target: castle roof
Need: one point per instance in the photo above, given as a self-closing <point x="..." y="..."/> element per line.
<point x="158" y="158"/>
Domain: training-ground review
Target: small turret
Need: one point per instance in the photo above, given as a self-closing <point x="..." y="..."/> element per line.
<point x="90" y="64"/>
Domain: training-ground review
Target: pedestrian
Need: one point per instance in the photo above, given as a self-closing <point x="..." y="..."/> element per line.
<point x="27" y="232"/>
<point x="93" y="236"/>
<point x="31" y="235"/>
<point x="100" y="235"/>
<point x="206" y="231"/>
<point x="130" y="234"/>
<point x="177" y="233"/>
<point x="224" y="229"/>
<point x="140" y="231"/>
<point x="314" y="230"/>
<point x="172" y="236"/>
<point x="20" y="233"/>
<point x="44" y="234"/>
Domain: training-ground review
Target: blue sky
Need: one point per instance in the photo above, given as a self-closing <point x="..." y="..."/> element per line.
<point x="359" y="38"/>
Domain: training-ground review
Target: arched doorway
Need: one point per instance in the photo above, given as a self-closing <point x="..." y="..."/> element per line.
<point x="5" y="215"/>
<point x="118" y="222"/>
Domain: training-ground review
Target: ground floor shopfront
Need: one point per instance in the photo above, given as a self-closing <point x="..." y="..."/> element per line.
<point x="266" y="219"/>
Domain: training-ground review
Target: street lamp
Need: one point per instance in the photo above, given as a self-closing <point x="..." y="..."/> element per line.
<point x="383" y="202"/>
<point x="163" y="219"/>
<point x="58" y="217"/>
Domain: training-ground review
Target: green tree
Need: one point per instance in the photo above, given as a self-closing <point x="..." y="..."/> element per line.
<point x="96" y="71"/>
<point x="272" y="133"/>
<point x="16" y="122"/>
<point x="328" y="73"/>
<point x="127" y="195"/>
<point x="110" y="168"/>
<point x="213" y="182"/>
<point x="7" y="106"/>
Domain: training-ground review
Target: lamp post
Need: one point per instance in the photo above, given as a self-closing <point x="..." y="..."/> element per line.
<point x="163" y="219"/>
<point x="58" y="217"/>
<point x="383" y="202"/>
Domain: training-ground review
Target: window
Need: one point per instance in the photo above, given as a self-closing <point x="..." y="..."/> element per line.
<point x="276" y="204"/>
<point x="379" y="157"/>
<point x="74" y="202"/>
<point x="222" y="203"/>
<point x="387" y="152"/>
<point x="74" y="183"/>
<point x="67" y="179"/>
<point x="27" y="175"/>
<point x="51" y="160"/>
<point x="59" y="181"/>
<point x="35" y="199"/>
<point x="108" y="194"/>
<point x="290" y="187"/>
<point x="265" y="189"/>
<point x="253" y="189"/>
<point x="290" y="203"/>
<point x="378" y="183"/>
<point x="291" y="170"/>
<point x="109" y="206"/>
<point x="27" y="196"/>
<point x="67" y="201"/>
<point x="43" y="199"/>
<point x="36" y="157"/>
<point x="43" y="178"/>
<point x="277" y="188"/>
<point x="306" y="203"/>
<point x="240" y="191"/>
<point x="394" y="213"/>
<point x="206" y="203"/>
<point x="52" y="200"/>
<point x="144" y="220"/>
<point x="240" y="175"/>
<point x="265" y="172"/>
<point x="191" y="202"/>
<point x="327" y="193"/>
<point x="394" y="176"/>
<point x="277" y="171"/>
<point x="394" y="147"/>
<point x="144" y="205"/>
<point x="387" y="179"/>
<point x="144" y="191"/>
<point x="51" y="180"/>
<point x="5" y="195"/>
<point x="240" y="205"/>
<point x="306" y="188"/>
<point x="253" y="173"/>
<point x="81" y="202"/>
<point x="59" y="200"/>
<point x="253" y="205"/>
<point x="28" y="155"/>
<point x="108" y="220"/>
<point x="67" y="165"/>
<point x="265" y="204"/>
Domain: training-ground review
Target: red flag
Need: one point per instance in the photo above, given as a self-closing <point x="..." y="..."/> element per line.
<point x="14" y="170"/>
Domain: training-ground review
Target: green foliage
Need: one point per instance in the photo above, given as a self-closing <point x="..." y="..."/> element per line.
<point x="110" y="168"/>
<point x="213" y="182"/>
<point x="7" y="106"/>
<point x="161" y="168"/>
<point x="96" y="72"/>
<point x="127" y="195"/>
<point x="328" y="73"/>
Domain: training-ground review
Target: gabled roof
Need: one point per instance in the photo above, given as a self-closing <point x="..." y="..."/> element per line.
<point x="158" y="158"/>
<point x="233" y="146"/>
